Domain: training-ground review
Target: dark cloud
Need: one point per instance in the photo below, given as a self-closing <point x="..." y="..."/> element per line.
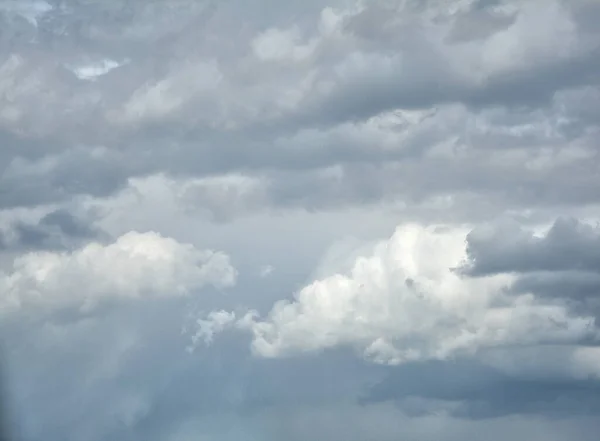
<point x="569" y="245"/>
<point x="67" y="223"/>
<point x="480" y="23"/>
<point x="58" y="229"/>
<point x="433" y="79"/>
<point x="573" y="285"/>
<point x="483" y="392"/>
<point x="563" y="263"/>
<point x="389" y="62"/>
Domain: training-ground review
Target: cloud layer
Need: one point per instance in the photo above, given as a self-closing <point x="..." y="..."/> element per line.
<point x="262" y="220"/>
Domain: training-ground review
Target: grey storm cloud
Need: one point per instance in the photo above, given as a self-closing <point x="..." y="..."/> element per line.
<point x="562" y="263"/>
<point x="479" y="391"/>
<point x="264" y="220"/>
<point x="58" y="229"/>
<point x="569" y="245"/>
<point x="100" y="122"/>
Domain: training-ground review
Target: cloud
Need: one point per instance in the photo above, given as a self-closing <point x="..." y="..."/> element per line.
<point x="266" y="271"/>
<point x="92" y="71"/>
<point x="355" y="423"/>
<point x="135" y="266"/>
<point x="501" y="71"/>
<point x="31" y="11"/>
<point x="216" y="322"/>
<point x="58" y="229"/>
<point x="567" y="245"/>
<point x="423" y="175"/>
<point x="404" y="302"/>
<point x="479" y="391"/>
<point x="561" y="262"/>
<point x="229" y="110"/>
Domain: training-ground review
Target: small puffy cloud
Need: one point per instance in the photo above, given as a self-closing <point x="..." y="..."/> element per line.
<point x="91" y="71"/>
<point x="216" y="322"/>
<point x="406" y="302"/>
<point x="135" y="266"/>
<point x="266" y="271"/>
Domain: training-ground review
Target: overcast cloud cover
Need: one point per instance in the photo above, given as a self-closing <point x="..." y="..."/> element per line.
<point x="310" y="220"/>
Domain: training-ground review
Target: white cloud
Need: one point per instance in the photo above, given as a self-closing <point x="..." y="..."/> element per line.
<point x="266" y="271"/>
<point x="29" y="10"/>
<point x="135" y="266"/>
<point x="216" y="322"/>
<point x="92" y="71"/>
<point x="404" y="302"/>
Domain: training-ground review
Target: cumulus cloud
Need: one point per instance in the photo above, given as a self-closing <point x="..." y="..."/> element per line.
<point x="405" y="302"/>
<point x="135" y="266"/>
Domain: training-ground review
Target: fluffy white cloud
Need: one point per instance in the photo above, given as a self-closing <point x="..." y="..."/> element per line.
<point x="406" y="302"/>
<point x="136" y="265"/>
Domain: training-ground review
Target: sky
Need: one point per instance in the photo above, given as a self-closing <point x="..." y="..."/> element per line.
<point x="256" y="220"/>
